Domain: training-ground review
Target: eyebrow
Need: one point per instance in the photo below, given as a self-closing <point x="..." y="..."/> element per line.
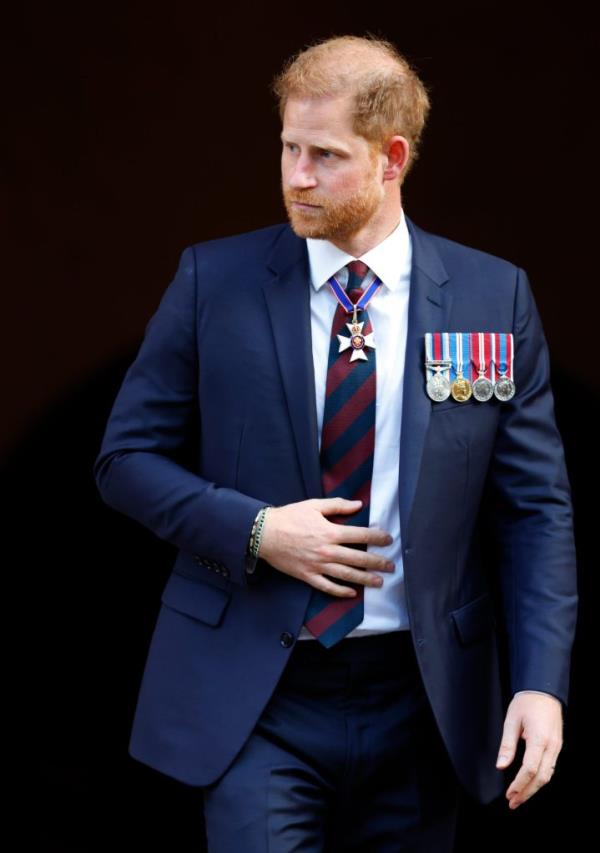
<point x="320" y="147"/>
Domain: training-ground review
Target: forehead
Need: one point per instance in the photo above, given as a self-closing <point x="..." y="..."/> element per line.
<point x="320" y="121"/>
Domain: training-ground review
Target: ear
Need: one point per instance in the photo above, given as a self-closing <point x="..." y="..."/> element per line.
<point x="396" y="151"/>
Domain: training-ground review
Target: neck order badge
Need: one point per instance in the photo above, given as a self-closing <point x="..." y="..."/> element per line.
<point x="357" y="340"/>
<point x="347" y="442"/>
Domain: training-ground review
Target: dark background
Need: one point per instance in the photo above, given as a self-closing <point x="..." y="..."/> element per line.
<point x="140" y="129"/>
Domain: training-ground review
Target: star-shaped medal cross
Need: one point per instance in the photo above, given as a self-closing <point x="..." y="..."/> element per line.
<point x="357" y="341"/>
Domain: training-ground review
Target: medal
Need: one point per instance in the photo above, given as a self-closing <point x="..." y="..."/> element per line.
<point x="504" y="387"/>
<point x="438" y="385"/>
<point x="461" y="387"/>
<point x="357" y="341"/>
<point x="483" y="387"/>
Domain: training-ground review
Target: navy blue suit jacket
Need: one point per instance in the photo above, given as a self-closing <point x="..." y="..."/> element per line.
<point x="216" y="417"/>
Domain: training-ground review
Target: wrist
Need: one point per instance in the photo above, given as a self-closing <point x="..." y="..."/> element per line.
<point x="254" y="540"/>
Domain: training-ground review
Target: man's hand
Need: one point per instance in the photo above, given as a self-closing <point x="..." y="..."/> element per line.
<point x="538" y="719"/>
<point x="298" y="540"/>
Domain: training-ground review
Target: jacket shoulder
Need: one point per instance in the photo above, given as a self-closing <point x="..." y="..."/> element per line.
<point x="258" y="240"/>
<point x="460" y="256"/>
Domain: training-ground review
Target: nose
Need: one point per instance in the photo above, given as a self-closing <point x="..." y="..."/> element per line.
<point x="302" y="175"/>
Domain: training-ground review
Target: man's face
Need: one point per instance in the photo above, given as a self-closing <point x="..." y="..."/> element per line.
<point x="331" y="178"/>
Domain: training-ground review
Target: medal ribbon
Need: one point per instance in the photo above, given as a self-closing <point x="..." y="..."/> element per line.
<point x="480" y="348"/>
<point x="474" y="354"/>
<point x="447" y="354"/>
<point x="428" y="346"/>
<point x="433" y="347"/>
<point x="502" y="365"/>
<point x="509" y="354"/>
<point x="345" y="301"/>
<point x="486" y="345"/>
<point x="465" y="354"/>
<point x="459" y="350"/>
<point x="503" y="356"/>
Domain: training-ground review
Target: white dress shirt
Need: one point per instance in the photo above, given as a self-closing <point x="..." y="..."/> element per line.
<point x="391" y="260"/>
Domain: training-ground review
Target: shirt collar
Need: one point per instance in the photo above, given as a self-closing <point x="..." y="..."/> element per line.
<point x="390" y="260"/>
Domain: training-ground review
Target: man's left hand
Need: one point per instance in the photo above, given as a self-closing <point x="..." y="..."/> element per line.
<point x="538" y="719"/>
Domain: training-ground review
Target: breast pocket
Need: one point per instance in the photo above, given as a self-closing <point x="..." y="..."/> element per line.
<point x="451" y="404"/>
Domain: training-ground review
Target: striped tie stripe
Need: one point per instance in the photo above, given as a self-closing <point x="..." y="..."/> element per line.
<point x="347" y="449"/>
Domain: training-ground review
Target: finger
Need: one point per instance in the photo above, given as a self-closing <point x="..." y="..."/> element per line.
<point x="510" y="739"/>
<point x="542" y="777"/>
<point x="353" y="533"/>
<point x="337" y="589"/>
<point x="329" y="506"/>
<point x="528" y="770"/>
<point x="351" y="575"/>
<point x="363" y="559"/>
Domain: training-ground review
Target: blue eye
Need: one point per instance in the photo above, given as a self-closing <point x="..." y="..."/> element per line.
<point x="323" y="153"/>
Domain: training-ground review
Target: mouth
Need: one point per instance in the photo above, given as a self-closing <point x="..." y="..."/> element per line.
<point x="304" y="206"/>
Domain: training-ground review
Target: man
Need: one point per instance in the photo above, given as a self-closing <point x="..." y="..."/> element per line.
<point x="288" y="403"/>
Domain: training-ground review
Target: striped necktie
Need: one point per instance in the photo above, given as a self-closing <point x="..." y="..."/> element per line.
<point x="347" y="447"/>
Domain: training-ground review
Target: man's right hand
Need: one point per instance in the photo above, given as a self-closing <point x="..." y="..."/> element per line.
<point x="298" y="540"/>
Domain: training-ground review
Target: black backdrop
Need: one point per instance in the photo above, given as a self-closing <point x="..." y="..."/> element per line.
<point x="141" y="129"/>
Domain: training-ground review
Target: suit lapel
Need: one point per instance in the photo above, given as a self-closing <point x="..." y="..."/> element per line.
<point x="287" y="296"/>
<point x="288" y="300"/>
<point x="428" y="310"/>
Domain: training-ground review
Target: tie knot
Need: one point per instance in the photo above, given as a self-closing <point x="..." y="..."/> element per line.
<point x="359" y="268"/>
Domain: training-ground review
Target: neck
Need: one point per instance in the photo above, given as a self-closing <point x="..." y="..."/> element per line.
<point x="370" y="235"/>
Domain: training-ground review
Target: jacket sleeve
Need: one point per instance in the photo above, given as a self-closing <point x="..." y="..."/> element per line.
<point x="531" y="516"/>
<point x="138" y="470"/>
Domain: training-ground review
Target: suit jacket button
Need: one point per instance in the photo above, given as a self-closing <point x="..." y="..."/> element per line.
<point x="197" y="558"/>
<point x="286" y="639"/>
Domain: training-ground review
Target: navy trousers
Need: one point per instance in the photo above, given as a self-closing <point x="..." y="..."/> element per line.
<point x="345" y="758"/>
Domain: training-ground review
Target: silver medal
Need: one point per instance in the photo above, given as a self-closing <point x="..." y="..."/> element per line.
<point x="438" y="385"/>
<point x="483" y="389"/>
<point x="504" y="389"/>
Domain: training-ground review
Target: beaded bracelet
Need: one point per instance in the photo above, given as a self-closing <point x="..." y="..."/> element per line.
<point x="257" y="529"/>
